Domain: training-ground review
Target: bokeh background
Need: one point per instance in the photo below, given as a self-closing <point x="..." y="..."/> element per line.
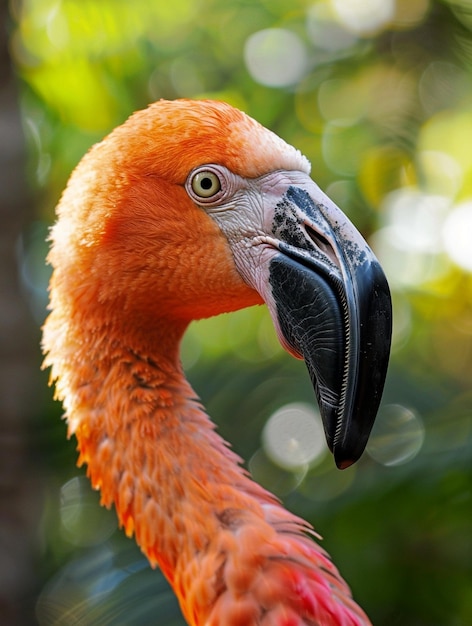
<point x="378" y="95"/>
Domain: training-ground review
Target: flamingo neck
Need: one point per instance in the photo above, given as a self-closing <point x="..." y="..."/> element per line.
<point x="224" y="543"/>
<point x="152" y="451"/>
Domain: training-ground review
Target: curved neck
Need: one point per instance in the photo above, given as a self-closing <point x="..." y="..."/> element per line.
<point x="153" y="452"/>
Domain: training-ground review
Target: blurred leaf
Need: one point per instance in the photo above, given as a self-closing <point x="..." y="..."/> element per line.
<point x="382" y="106"/>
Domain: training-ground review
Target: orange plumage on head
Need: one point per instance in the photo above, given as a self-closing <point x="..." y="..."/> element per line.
<point x="142" y="247"/>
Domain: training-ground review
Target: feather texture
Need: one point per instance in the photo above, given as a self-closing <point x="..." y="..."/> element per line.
<point x="134" y="262"/>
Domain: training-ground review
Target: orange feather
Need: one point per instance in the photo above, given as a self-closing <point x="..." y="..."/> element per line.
<point x="135" y="260"/>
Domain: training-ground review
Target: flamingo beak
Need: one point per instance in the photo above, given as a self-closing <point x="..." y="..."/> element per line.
<point x="331" y="305"/>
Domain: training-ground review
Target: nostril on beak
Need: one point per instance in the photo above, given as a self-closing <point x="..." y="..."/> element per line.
<point x="322" y="244"/>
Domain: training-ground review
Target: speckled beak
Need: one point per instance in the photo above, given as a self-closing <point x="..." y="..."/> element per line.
<point x="332" y="307"/>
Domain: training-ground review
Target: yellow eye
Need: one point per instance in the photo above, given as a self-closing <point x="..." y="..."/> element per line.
<point x="205" y="184"/>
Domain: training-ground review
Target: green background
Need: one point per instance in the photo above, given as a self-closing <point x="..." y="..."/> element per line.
<point x="378" y="95"/>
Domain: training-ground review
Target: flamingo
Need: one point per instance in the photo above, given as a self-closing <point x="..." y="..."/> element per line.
<point x="187" y="210"/>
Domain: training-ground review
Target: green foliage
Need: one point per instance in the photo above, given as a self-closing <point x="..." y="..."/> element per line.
<point x="379" y="98"/>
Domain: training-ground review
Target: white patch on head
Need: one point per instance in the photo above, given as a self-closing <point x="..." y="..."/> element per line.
<point x="293" y="159"/>
<point x="267" y="150"/>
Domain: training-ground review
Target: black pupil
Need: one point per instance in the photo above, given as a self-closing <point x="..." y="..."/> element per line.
<point x="206" y="183"/>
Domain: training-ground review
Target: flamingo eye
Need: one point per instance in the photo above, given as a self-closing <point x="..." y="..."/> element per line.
<point x="205" y="184"/>
<point x="211" y="185"/>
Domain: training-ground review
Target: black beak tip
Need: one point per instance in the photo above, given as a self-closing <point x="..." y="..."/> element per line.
<point x="347" y="445"/>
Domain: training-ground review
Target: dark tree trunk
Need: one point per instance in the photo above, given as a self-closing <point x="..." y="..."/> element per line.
<point x="18" y="363"/>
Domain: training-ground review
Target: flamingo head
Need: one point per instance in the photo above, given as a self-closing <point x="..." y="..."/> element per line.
<point x="190" y="209"/>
